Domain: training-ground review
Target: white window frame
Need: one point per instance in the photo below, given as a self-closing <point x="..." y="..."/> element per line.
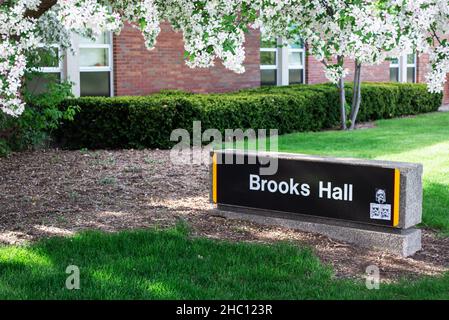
<point x="271" y="66"/>
<point x="410" y="65"/>
<point x="109" y="46"/>
<point x="57" y="69"/>
<point x="282" y="65"/>
<point x="396" y="65"/>
<point x="297" y="66"/>
<point x="402" y="65"/>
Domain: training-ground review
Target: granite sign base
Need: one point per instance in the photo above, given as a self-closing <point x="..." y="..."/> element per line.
<point x="403" y="242"/>
<point x="370" y="203"/>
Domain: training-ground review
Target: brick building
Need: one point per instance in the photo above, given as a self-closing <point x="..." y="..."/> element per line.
<point x="121" y="65"/>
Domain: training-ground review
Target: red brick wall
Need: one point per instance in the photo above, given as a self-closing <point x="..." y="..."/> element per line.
<point x="446" y="92"/>
<point x="377" y="73"/>
<point x="138" y="71"/>
<point x="423" y="67"/>
<point x="314" y="71"/>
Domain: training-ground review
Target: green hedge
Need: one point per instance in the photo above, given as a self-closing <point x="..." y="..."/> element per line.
<point x="138" y="122"/>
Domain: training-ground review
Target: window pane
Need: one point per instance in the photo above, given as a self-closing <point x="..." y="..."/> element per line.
<point x="38" y="84"/>
<point x="48" y="57"/>
<point x="268" y="77"/>
<point x="410" y="59"/>
<point x="295" y="76"/>
<point x="299" y="44"/>
<point x="411" y="74"/>
<point x="94" y="57"/>
<point x="102" y="39"/>
<point x="95" y="84"/>
<point x="268" y="43"/>
<point x="393" y="60"/>
<point x="394" y="74"/>
<point x="268" y="58"/>
<point x="295" y="58"/>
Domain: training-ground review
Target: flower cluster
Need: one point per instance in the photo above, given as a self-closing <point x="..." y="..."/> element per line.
<point x="22" y="33"/>
<point x="87" y="17"/>
<point x="423" y="26"/>
<point x="145" y="16"/>
<point x="335" y="72"/>
<point x="16" y="37"/>
<point x="436" y="78"/>
<point x="212" y="30"/>
<point x="357" y="30"/>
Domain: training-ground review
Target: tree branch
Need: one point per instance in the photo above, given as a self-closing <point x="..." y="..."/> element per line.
<point x="43" y="7"/>
<point x="324" y="62"/>
<point x="329" y="9"/>
<point x="435" y="35"/>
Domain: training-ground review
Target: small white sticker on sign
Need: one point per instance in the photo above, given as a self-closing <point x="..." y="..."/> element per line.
<point x="380" y="210"/>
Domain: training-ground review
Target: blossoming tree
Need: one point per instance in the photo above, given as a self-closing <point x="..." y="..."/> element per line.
<point x="211" y="29"/>
<point x="424" y="25"/>
<point x="338" y="31"/>
<point x="366" y="31"/>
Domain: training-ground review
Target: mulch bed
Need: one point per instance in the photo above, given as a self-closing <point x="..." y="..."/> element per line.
<point x="57" y="193"/>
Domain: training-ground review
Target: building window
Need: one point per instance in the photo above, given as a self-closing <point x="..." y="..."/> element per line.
<point x="49" y="66"/>
<point x="95" y="60"/>
<point x="268" y="62"/>
<point x="394" y="70"/>
<point x="296" y="59"/>
<point x="283" y="64"/>
<point x="411" y="68"/>
<point x="403" y="69"/>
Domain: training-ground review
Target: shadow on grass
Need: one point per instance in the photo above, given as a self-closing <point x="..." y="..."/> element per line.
<point x="170" y="265"/>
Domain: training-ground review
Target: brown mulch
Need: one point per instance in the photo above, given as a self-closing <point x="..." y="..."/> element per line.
<point x="53" y="192"/>
<point x="366" y="125"/>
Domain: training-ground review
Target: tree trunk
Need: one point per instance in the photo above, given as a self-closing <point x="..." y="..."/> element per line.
<point x="341" y="87"/>
<point x="356" y="95"/>
<point x="354" y="89"/>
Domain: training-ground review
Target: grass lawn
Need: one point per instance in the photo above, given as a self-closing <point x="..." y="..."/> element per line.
<point x="423" y="139"/>
<point x="169" y="264"/>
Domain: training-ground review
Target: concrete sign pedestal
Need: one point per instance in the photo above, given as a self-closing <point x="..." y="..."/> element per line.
<point x="374" y="204"/>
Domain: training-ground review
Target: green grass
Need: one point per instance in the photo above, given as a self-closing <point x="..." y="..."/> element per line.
<point x="423" y="139"/>
<point x="170" y="265"/>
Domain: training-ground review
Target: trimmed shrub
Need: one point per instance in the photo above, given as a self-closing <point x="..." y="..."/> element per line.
<point x="34" y="127"/>
<point x="147" y="122"/>
<point x="122" y="122"/>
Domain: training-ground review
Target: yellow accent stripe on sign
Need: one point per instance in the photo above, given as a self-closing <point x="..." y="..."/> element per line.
<point x="214" y="178"/>
<point x="397" y="191"/>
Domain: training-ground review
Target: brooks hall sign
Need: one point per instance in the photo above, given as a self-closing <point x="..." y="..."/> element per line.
<point x="349" y="199"/>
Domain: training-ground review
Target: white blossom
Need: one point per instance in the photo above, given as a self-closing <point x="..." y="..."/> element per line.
<point x="214" y="30"/>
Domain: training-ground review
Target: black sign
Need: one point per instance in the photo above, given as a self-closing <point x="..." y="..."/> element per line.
<point x="360" y="193"/>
